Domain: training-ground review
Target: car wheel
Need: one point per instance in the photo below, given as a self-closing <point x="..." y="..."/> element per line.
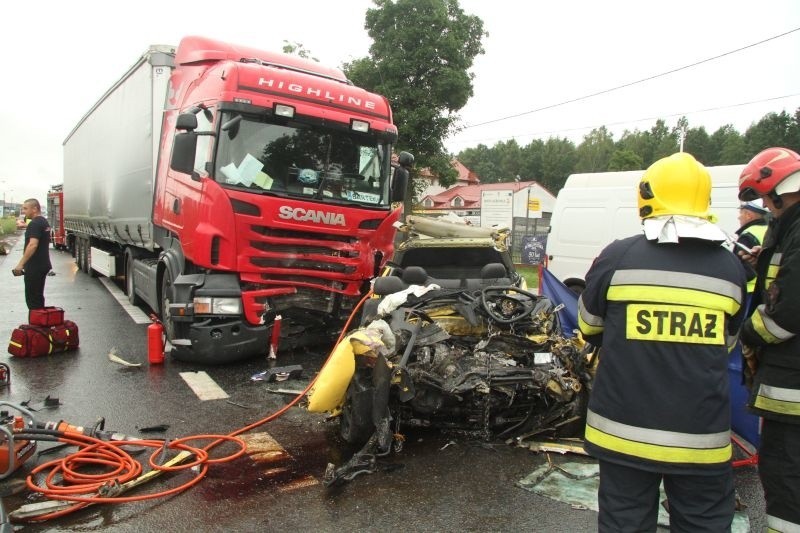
<point x="355" y="424"/>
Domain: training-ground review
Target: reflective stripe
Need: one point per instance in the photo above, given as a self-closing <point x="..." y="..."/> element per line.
<point x="767" y="329"/>
<point x="658" y="445"/>
<point x="678" y="280"/>
<point x="773" y="268"/>
<point x="673" y="295"/>
<point x="680" y="288"/>
<point x="783" y="526"/>
<point x="588" y="323"/>
<point x="757" y="231"/>
<point x="778" y="400"/>
<point x="731" y="341"/>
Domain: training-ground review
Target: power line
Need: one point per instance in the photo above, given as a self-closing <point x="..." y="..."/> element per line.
<point x="618" y="87"/>
<point x="630" y="121"/>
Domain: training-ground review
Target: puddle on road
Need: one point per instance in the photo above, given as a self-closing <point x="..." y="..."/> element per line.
<point x="267" y="466"/>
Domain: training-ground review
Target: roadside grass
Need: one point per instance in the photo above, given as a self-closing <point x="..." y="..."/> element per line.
<point x="8" y="225"/>
<point x="531" y="275"/>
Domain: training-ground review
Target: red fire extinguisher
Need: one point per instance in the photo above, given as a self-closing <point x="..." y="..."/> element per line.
<point x="155" y="341"/>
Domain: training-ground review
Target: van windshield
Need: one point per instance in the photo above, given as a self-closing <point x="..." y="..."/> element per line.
<point x="297" y="159"/>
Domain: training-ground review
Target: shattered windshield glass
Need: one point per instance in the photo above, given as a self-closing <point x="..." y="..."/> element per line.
<point x="300" y="160"/>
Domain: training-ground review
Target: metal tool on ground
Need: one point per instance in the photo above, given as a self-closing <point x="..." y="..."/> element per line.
<point x="97" y="430"/>
<point x="279" y="373"/>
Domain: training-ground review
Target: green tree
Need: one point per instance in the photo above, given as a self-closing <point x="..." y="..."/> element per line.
<point x="595" y="151"/>
<point x="509" y="156"/>
<point x="558" y="162"/>
<point x="728" y="147"/>
<point x="297" y="49"/>
<point x="531" y="163"/>
<point x="640" y="143"/>
<point x="698" y="143"/>
<point x="482" y="161"/>
<point x="664" y="141"/>
<point x="625" y="159"/>
<point x="420" y="58"/>
<point x="774" y="129"/>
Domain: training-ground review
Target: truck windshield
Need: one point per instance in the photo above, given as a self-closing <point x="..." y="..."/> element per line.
<point x="297" y="159"/>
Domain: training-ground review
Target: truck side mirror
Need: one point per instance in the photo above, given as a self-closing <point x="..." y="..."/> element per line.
<point x="184" y="150"/>
<point x="186" y="121"/>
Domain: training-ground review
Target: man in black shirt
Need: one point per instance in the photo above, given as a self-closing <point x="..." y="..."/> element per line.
<point x="35" y="262"/>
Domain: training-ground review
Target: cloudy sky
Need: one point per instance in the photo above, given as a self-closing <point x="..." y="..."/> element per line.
<point x="59" y="57"/>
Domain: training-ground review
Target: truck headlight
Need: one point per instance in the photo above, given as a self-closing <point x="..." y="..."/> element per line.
<point x="206" y="305"/>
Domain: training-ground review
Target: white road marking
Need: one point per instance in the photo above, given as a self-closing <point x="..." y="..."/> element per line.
<point x="202" y="385"/>
<point x="138" y="316"/>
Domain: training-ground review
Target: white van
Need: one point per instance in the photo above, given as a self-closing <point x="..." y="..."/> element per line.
<point x="594" y="209"/>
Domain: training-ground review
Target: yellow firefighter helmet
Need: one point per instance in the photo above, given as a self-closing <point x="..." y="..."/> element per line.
<point x="675" y="185"/>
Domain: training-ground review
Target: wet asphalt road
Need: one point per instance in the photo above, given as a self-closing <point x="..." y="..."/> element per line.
<point x="464" y="486"/>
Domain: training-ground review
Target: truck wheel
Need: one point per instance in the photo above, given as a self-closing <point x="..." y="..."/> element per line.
<point x="85" y="256"/>
<point x="76" y="252"/>
<point x="130" y="289"/>
<point x="79" y="257"/>
<point x="88" y="259"/>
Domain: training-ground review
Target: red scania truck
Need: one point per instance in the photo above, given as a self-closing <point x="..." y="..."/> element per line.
<point x="55" y="216"/>
<point x="228" y="185"/>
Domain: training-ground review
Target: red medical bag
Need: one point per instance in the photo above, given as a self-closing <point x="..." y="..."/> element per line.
<point x="35" y="341"/>
<point x="46" y="316"/>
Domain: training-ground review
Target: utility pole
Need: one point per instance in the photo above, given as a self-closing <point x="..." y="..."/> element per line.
<point x="682" y="137"/>
<point x="528" y="212"/>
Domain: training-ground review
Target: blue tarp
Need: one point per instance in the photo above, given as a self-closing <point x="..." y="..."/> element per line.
<point x="743" y="422"/>
<point x="551" y="287"/>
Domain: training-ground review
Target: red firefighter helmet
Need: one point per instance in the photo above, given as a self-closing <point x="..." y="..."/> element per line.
<point x="767" y="174"/>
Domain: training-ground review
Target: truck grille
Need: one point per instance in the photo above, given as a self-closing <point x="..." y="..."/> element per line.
<point x="265" y="262"/>
<point x="277" y="250"/>
<point x="289" y="234"/>
<point x="302" y="249"/>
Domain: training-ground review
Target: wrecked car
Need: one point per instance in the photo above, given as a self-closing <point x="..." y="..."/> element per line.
<point x="480" y="357"/>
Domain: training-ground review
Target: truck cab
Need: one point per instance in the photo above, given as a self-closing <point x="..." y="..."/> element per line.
<point x="270" y="194"/>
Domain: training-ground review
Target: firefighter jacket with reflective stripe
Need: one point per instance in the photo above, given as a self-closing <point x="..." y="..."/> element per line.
<point x="751" y="234"/>
<point x="666" y="316"/>
<point x="774" y="324"/>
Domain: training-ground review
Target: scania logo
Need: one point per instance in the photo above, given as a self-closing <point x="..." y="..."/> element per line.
<point x="311" y="215"/>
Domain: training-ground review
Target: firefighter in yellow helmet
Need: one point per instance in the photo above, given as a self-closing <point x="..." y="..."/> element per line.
<point x="666" y="307"/>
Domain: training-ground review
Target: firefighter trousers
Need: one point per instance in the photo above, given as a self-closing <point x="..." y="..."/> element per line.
<point x="628" y="499"/>
<point x="779" y="469"/>
<point x="34" y="288"/>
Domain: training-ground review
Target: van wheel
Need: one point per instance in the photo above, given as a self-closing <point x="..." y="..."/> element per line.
<point x="575" y="285"/>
